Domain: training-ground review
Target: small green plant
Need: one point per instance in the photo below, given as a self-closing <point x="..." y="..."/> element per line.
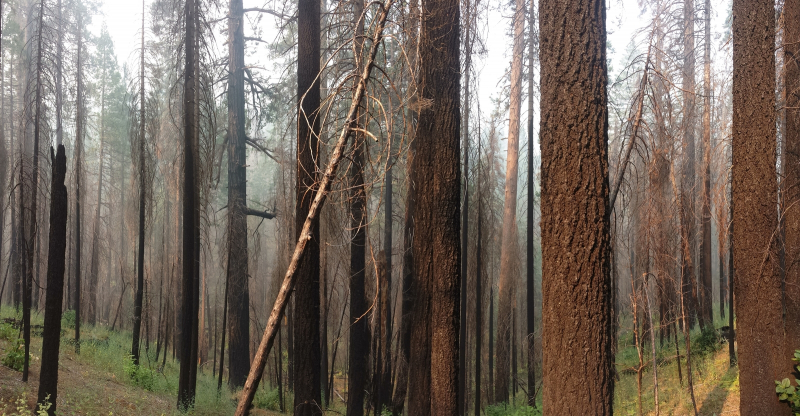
<point x="504" y="409"/>
<point x="788" y="393"/>
<point x="7" y="331"/>
<point x="141" y="376"/>
<point x="22" y="407"/>
<point x="68" y="319"/>
<point x="15" y="357"/>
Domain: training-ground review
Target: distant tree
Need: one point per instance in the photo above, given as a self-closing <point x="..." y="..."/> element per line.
<point x="576" y="273"/>
<point x="508" y="246"/>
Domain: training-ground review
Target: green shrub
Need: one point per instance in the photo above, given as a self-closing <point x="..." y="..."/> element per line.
<point x="268" y="399"/>
<point x="7" y="331"/>
<point x="788" y="393"/>
<point x="15" y="357"/>
<point x="140" y="376"/>
<point x="68" y="319"/>
<point x="709" y="341"/>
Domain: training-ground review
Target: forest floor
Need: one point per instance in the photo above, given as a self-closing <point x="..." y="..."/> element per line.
<point x="98" y="381"/>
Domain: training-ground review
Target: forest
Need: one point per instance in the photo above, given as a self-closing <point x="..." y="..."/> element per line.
<point x="400" y="207"/>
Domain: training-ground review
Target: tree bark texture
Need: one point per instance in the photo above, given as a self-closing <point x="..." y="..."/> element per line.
<point x="239" y="339"/>
<point x="433" y="372"/>
<point x="757" y="282"/>
<point x="576" y="275"/>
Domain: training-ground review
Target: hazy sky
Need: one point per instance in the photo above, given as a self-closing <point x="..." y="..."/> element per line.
<point x="123" y="19"/>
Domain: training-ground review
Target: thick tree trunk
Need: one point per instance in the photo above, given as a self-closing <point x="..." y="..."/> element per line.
<point x="358" y="353"/>
<point x="239" y="339"/>
<point x="757" y="284"/>
<point x="51" y="338"/>
<point x="189" y="301"/>
<point x="307" y="397"/>
<point x="508" y="248"/>
<point x="576" y="316"/>
<point x="433" y="373"/>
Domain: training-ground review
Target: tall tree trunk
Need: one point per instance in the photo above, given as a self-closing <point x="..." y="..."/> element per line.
<point x="186" y="383"/>
<point x="51" y="337"/>
<point x="359" y="347"/>
<point x="80" y="109"/>
<point x="433" y="375"/>
<point x="576" y="283"/>
<point x="530" y="266"/>
<point x="478" y="293"/>
<point x="31" y="233"/>
<point x="239" y="339"/>
<point x="705" y="242"/>
<point x="757" y="284"/>
<point x="507" y="283"/>
<point x="137" y="303"/>
<point x="687" y="181"/>
<point x="462" y="336"/>
<point x="791" y="79"/>
<point x="95" y="261"/>
<point x="307" y="398"/>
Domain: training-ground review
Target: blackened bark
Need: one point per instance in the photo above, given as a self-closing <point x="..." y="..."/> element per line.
<point x="307" y="397"/>
<point x="576" y="316"/>
<point x="186" y="385"/>
<point x="433" y="374"/>
<point x="359" y="347"/>
<point x="478" y="297"/>
<point x="754" y="185"/>
<point x="51" y="337"/>
<point x="137" y="303"/>
<point x="239" y="340"/>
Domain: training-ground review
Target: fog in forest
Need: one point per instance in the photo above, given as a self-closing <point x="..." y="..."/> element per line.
<point x="405" y="207"/>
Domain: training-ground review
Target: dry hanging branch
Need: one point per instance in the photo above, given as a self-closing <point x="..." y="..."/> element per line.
<point x="289" y="280"/>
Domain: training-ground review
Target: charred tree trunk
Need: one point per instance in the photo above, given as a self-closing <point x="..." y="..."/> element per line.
<point x="239" y="339"/>
<point x="137" y="303"/>
<point x="754" y="185"/>
<point x="307" y="397"/>
<point x="189" y="301"/>
<point x="359" y="347"/>
<point x="437" y="176"/>
<point x="507" y="283"/>
<point x="577" y="271"/>
<point x="51" y="337"/>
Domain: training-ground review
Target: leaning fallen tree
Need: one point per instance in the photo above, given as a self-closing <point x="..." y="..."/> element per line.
<point x="289" y="280"/>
